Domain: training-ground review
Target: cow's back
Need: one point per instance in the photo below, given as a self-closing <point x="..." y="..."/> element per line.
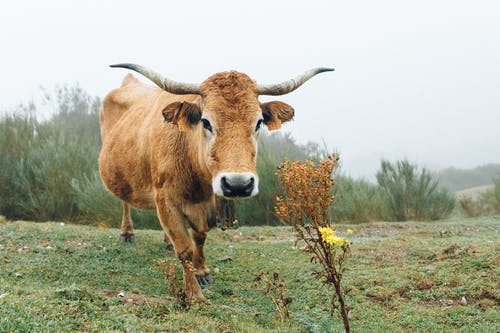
<point x="119" y="101"/>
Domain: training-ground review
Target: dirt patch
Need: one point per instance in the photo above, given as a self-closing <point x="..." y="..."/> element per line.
<point x="382" y="231"/>
<point x="454" y="250"/>
<point x="379" y="294"/>
<point x="426" y="284"/>
<point x="488" y="299"/>
<point x="135" y="299"/>
<point x="486" y="303"/>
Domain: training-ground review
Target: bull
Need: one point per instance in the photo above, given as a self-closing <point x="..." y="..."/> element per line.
<point x="177" y="146"/>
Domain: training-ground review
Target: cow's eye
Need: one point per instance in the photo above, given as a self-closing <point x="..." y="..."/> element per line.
<point x="206" y="125"/>
<point x="259" y="125"/>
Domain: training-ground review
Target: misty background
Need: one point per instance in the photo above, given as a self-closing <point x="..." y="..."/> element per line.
<point x="417" y="80"/>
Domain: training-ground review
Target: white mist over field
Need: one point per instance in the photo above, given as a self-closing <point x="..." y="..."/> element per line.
<point x="417" y="79"/>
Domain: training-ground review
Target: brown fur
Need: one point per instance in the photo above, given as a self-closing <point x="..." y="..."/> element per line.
<point x="154" y="154"/>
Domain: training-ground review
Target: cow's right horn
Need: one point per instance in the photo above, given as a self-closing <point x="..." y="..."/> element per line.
<point x="290" y="85"/>
<point x="171" y="86"/>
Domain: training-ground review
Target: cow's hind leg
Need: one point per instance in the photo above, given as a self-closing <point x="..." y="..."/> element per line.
<point x="127" y="227"/>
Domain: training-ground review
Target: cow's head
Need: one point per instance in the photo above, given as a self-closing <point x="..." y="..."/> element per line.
<point x="227" y="119"/>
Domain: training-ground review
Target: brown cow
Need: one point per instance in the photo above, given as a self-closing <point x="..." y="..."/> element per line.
<point x="172" y="149"/>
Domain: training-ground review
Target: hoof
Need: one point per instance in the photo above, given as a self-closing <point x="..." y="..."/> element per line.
<point x="127" y="238"/>
<point x="198" y="300"/>
<point x="205" y="280"/>
<point x="192" y="299"/>
<point x="169" y="247"/>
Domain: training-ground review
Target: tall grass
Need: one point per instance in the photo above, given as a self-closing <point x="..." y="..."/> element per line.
<point x="488" y="202"/>
<point x="39" y="160"/>
<point x="358" y="201"/>
<point x="413" y="194"/>
<point x="491" y="199"/>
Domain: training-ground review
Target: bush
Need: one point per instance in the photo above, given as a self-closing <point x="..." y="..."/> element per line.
<point x="16" y="136"/>
<point x="39" y="160"/>
<point x="488" y="202"/>
<point x="469" y="206"/>
<point x="413" y="194"/>
<point x="358" y="201"/>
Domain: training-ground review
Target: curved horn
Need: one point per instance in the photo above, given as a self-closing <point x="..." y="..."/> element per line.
<point x="171" y="86"/>
<point x="290" y="85"/>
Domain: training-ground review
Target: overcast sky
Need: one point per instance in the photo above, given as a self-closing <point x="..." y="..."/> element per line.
<point x="415" y="79"/>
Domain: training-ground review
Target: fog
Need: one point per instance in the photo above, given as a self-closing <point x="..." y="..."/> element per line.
<point x="417" y="80"/>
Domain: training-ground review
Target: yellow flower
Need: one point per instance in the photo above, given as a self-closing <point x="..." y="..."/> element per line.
<point x="326" y="233"/>
<point x="328" y="236"/>
<point x="349" y="231"/>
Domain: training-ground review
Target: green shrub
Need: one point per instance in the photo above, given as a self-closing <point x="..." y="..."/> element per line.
<point x="469" y="206"/>
<point x="16" y="135"/>
<point x="488" y="202"/>
<point x="39" y="160"/>
<point x="413" y="194"/>
<point x="358" y="201"/>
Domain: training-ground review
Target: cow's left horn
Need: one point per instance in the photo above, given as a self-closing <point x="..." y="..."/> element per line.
<point x="290" y="85"/>
<point x="171" y="86"/>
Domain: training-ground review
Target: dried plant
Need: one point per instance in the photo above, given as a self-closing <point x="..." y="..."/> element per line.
<point x="276" y="287"/>
<point x="174" y="282"/>
<point x="308" y="195"/>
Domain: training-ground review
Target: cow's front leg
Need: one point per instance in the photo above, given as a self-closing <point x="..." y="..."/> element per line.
<point x="200" y="263"/>
<point x="201" y="217"/>
<point x="174" y="225"/>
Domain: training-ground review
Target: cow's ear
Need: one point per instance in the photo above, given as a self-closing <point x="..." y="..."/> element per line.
<point x="182" y="114"/>
<point x="275" y="113"/>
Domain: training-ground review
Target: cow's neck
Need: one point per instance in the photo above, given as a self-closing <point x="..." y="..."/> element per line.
<point x="198" y="179"/>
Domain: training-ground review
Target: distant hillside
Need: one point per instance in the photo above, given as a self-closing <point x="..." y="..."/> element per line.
<point x="459" y="179"/>
<point x="474" y="192"/>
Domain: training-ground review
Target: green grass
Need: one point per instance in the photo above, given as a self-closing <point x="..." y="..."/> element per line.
<point x="405" y="277"/>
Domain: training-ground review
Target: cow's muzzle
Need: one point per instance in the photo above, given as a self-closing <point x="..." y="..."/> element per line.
<point x="235" y="185"/>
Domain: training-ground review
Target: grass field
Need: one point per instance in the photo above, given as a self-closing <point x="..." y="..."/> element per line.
<point x="405" y="277"/>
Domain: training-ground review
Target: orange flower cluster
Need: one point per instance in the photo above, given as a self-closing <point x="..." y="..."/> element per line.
<point x="308" y="189"/>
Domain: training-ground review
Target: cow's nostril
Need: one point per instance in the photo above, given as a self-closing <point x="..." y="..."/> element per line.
<point x="224" y="182"/>
<point x="251" y="181"/>
<point x="237" y="185"/>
